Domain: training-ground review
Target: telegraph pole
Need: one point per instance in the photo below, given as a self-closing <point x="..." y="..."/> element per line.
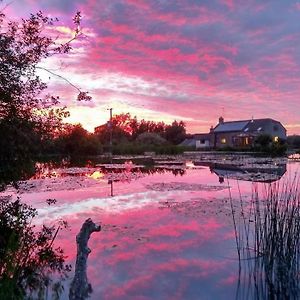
<point x="110" y="130"/>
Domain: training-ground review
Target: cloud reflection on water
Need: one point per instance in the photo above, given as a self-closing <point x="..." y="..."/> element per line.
<point x="170" y="244"/>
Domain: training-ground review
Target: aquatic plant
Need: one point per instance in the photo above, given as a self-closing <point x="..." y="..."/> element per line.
<point x="268" y="242"/>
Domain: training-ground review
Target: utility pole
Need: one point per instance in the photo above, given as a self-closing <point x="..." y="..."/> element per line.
<point x="110" y="130"/>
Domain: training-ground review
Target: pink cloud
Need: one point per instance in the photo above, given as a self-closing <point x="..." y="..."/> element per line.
<point x="205" y="56"/>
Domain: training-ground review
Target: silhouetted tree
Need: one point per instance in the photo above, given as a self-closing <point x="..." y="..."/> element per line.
<point x="150" y="138"/>
<point x="125" y="128"/>
<point x="75" y="140"/>
<point x="176" y="132"/>
<point x="27" y="117"/>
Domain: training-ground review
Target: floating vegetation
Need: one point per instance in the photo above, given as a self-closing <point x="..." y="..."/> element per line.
<point x="170" y="167"/>
<point x="204" y="207"/>
<point x="127" y="166"/>
<point x="124" y="176"/>
<point x="170" y="162"/>
<point x="55" y="184"/>
<point x="183" y="186"/>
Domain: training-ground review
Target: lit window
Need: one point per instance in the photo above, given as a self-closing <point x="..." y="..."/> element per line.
<point x="276" y="139"/>
<point x="246" y="141"/>
<point x="223" y="141"/>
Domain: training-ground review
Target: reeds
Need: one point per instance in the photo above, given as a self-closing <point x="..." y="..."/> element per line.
<point x="268" y="240"/>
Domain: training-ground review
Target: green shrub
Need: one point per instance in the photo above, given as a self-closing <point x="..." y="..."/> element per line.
<point x="139" y="149"/>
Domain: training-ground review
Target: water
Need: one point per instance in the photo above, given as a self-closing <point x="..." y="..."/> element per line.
<point x="167" y="231"/>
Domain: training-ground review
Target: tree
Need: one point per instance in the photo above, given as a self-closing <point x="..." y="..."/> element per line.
<point x="126" y="128"/>
<point x="120" y="126"/>
<point x="151" y="138"/>
<point x="26" y="116"/>
<point x="77" y="141"/>
<point x="176" y="132"/>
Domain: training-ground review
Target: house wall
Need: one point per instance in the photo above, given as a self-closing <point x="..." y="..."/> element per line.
<point x="275" y="129"/>
<point x="200" y="144"/>
<point x="223" y="139"/>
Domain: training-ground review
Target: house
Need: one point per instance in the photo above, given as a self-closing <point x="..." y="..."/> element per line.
<point x="190" y="142"/>
<point x="237" y="134"/>
<point x="242" y="134"/>
<point x="198" y="141"/>
<point x="202" y="140"/>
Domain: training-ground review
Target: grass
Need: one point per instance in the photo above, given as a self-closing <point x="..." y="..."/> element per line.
<point x="268" y="241"/>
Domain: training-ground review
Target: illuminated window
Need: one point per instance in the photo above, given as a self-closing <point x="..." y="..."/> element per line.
<point x="223" y="141"/>
<point x="276" y="139"/>
<point x="246" y="141"/>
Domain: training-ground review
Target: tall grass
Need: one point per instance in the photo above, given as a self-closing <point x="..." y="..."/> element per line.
<point x="268" y="242"/>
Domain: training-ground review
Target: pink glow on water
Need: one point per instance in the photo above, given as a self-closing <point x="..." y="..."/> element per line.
<point x="163" y="235"/>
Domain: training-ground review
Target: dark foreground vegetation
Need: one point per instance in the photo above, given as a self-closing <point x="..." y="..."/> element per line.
<point x="268" y="242"/>
<point x="28" y="257"/>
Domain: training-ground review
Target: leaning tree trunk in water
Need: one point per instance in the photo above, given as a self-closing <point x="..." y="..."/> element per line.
<point x="80" y="287"/>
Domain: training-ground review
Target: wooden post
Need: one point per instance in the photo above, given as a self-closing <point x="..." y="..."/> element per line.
<point x="80" y="287"/>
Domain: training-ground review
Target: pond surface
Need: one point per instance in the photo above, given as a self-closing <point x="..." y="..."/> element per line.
<point x="167" y="229"/>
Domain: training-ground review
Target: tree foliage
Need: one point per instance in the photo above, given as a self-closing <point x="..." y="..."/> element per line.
<point x="27" y="114"/>
<point x="126" y="128"/>
<point x="75" y="140"/>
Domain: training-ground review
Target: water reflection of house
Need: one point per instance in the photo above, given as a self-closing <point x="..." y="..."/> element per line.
<point x="270" y="174"/>
<point x="238" y="134"/>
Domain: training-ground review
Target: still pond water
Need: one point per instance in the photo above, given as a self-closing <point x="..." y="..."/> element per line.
<point x="168" y="230"/>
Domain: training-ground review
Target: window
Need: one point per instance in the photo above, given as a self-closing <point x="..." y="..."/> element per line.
<point x="276" y="139"/>
<point x="223" y="141"/>
<point x="246" y="141"/>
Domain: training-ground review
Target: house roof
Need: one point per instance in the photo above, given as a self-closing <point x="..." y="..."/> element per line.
<point x="247" y="126"/>
<point x="202" y="136"/>
<point x="258" y="125"/>
<point x="188" y="142"/>
<point x="231" y="126"/>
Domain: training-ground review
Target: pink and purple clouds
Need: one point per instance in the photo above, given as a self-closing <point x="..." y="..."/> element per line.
<point x="166" y="60"/>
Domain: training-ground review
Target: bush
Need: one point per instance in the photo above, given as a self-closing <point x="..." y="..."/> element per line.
<point x="264" y="143"/>
<point x="150" y="138"/>
<point x="139" y="149"/>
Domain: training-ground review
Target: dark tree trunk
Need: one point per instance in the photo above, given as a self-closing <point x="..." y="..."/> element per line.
<point x="80" y="287"/>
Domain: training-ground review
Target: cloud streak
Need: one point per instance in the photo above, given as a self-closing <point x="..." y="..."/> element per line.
<point x="190" y="58"/>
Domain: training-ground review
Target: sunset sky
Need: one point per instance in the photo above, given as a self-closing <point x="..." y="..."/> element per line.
<point x="178" y="59"/>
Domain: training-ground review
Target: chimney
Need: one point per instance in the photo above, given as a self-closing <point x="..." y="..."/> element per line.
<point x="221" y="120"/>
<point x="211" y="129"/>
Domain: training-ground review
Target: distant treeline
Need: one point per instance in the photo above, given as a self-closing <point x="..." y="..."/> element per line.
<point x="293" y="141"/>
<point x="126" y="134"/>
